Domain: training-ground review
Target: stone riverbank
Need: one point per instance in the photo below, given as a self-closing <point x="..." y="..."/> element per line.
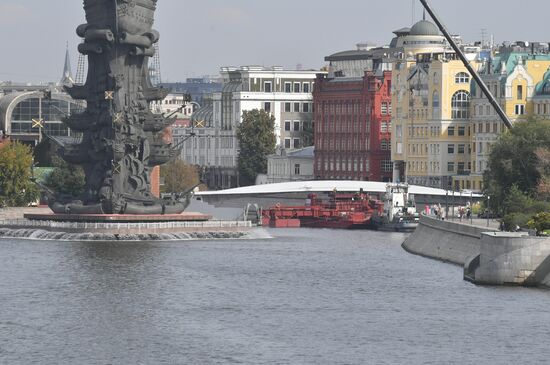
<point x="488" y="256"/>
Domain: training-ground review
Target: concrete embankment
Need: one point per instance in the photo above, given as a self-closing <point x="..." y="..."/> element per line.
<point x="488" y="256"/>
<point x="445" y="241"/>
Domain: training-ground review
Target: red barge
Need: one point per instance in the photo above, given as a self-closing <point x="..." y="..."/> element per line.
<point x="342" y="210"/>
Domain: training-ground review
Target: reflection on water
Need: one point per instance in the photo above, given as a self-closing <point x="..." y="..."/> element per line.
<point x="305" y="297"/>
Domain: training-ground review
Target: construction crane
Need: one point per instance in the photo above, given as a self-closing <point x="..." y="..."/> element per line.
<point x="507" y="122"/>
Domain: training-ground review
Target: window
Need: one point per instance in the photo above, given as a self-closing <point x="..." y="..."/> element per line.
<point x="267" y="87"/>
<point x="460" y="167"/>
<point x="384" y="108"/>
<point x="296" y="126"/>
<point x="267" y="107"/>
<point x="287" y="142"/>
<point x="296" y="142"/>
<point x="287" y="125"/>
<point x="296" y="107"/>
<point x="383" y="127"/>
<point x="399" y="131"/>
<point x="386" y="166"/>
<point x="461" y="131"/>
<point x="288" y="107"/>
<point x="384" y="145"/>
<point x="435" y="105"/>
<point x="520" y="109"/>
<point x="297" y="169"/>
<point x="461" y="105"/>
<point x="520" y="92"/>
<point x="450" y="148"/>
<point x="461" y="148"/>
<point x="450" y="167"/>
<point x="305" y="107"/>
<point x="305" y="87"/>
<point x="288" y="87"/>
<point x="462" y="78"/>
<point x="296" y="87"/>
<point x="451" y="131"/>
<point x="495" y="128"/>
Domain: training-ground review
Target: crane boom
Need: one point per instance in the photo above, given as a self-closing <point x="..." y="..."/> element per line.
<point x="507" y="122"/>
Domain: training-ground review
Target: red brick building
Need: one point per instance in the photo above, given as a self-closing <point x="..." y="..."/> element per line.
<point x="353" y="127"/>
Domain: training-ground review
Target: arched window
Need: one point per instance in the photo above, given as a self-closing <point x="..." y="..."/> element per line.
<point x="461" y="105"/>
<point x="462" y="78"/>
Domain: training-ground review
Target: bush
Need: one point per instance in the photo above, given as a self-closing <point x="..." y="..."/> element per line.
<point x="540" y="222"/>
<point x="513" y="220"/>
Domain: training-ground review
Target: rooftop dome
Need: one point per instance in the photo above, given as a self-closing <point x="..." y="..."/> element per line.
<point x="424" y="28"/>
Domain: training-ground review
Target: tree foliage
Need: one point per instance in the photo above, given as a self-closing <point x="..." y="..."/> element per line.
<point x="16" y="187"/>
<point x="540" y="222"/>
<point x="515" y="160"/>
<point x="178" y="176"/>
<point x="256" y="141"/>
<point x="66" y="178"/>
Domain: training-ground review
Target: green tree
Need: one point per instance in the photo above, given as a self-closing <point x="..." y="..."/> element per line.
<point x="256" y="141"/>
<point x="514" y="161"/>
<point x="178" y="176"/>
<point x="540" y="222"/>
<point x="66" y="178"/>
<point x="16" y="187"/>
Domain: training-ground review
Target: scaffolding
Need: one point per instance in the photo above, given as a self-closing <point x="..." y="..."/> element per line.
<point x="154" y="67"/>
<point x="81" y="70"/>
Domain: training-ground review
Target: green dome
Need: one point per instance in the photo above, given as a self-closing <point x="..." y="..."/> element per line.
<point x="424" y="28"/>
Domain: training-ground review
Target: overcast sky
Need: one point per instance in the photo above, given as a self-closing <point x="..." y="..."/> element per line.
<point x="200" y="36"/>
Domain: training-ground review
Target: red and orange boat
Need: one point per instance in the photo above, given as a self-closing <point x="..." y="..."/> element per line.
<point x="342" y="210"/>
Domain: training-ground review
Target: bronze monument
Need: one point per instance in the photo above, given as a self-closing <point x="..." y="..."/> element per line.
<point x="121" y="138"/>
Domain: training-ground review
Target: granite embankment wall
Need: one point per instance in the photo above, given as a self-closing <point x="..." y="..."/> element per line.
<point x="488" y="256"/>
<point x="512" y="259"/>
<point x="445" y="241"/>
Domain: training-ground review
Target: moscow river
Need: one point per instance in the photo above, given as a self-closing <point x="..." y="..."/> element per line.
<point x="304" y="297"/>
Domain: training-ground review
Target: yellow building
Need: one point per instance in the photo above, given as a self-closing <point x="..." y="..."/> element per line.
<point x="430" y="125"/>
<point x="516" y="79"/>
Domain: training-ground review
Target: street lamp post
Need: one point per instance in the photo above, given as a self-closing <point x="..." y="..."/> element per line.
<point x="471" y="207"/>
<point x="453" y="205"/>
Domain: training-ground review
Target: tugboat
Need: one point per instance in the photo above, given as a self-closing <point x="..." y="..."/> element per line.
<point x="399" y="214"/>
<point x="343" y="211"/>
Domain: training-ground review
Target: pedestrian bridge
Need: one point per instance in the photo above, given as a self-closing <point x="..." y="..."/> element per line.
<point x="296" y="193"/>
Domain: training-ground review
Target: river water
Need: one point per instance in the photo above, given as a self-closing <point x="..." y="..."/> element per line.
<point x="304" y="297"/>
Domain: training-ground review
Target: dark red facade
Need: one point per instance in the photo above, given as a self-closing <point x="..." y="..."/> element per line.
<point x="353" y="127"/>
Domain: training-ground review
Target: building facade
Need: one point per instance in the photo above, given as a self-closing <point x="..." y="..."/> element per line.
<point x="431" y="121"/>
<point x="177" y="103"/>
<point x="516" y="77"/>
<point x="287" y="95"/>
<point x="290" y="166"/>
<point x="353" y="127"/>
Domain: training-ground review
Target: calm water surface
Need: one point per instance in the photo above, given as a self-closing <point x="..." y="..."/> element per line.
<point x="305" y="297"/>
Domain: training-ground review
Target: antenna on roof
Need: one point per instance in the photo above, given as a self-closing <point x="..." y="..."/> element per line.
<point x="413" y="14"/>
